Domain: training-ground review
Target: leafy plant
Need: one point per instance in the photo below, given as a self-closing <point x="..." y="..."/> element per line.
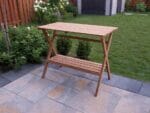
<point x="43" y="12"/>
<point x="11" y="60"/>
<point x="72" y="9"/>
<point x="28" y="42"/>
<point x="128" y="7"/>
<point x="28" y="45"/>
<point x="83" y="50"/>
<point x="63" y="45"/>
<point x="49" y="11"/>
<point x="148" y="8"/>
<point x="141" y="7"/>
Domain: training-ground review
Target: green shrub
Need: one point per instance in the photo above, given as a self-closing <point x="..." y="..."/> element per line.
<point x="72" y="9"/>
<point x="63" y="46"/>
<point x="49" y="11"/>
<point x="128" y="7"/>
<point x="83" y="50"/>
<point x="28" y="42"/>
<point x="11" y="61"/>
<point x="148" y="8"/>
<point x="28" y="45"/>
<point x="141" y="7"/>
<point x="2" y="46"/>
<point x="44" y="13"/>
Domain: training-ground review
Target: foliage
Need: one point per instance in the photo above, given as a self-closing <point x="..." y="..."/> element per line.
<point x="27" y="46"/>
<point x="43" y="14"/>
<point x="49" y="11"/>
<point x="28" y="42"/>
<point x="83" y="50"/>
<point x="70" y="8"/>
<point x="63" y="45"/>
<point x="11" y="60"/>
<point x="128" y="7"/>
<point x="148" y="8"/>
<point x="141" y="7"/>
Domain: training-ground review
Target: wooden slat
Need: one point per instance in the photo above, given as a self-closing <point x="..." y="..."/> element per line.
<point x="80" y="28"/>
<point x="7" y="11"/>
<point x="16" y="11"/>
<point x="32" y="9"/>
<point x="20" y="10"/>
<point x="11" y="10"/>
<point x="3" y="11"/>
<point x="1" y="18"/>
<point x="24" y="11"/>
<point x="27" y="10"/>
<point x="84" y="65"/>
<point x="78" y="38"/>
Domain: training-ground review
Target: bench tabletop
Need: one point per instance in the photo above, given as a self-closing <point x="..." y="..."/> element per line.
<point x="79" y="28"/>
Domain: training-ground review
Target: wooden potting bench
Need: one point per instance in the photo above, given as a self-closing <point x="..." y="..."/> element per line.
<point x="104" y="35"/>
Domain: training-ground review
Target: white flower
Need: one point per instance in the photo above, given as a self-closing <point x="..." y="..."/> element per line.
<point x="45" y="8"/>
<point x="14" y="27"/>
<point x="67" y="3"/>
<point x="38" y="6"/>
<point x="35" y="9"/>
<point x="36" y="1"/>
<point x="41" y="1"/>
<point x="61" y="6"/>
<point x="28" y="28"/>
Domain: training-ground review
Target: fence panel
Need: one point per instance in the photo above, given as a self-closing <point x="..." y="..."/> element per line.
<point x="16" y="11"/>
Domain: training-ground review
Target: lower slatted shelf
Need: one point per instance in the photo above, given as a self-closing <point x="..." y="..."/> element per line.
<point x="84" y="65"/>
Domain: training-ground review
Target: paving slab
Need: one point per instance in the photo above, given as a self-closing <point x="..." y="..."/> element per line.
<point x="133" y="103"/>
<point x="124" y="83"/>
<point x="36" y="89"/>
<point x="52" y="74"/>
<point x="116" y="81"/>
<point x="5" y="96"/>
<point x="77" y="83"/>
<point x="3" y="81"/>
<point x="23" y="83"/>
<point x="12" y="103"/>
<point x="145" y="89"/>
<point x="49" y="106"/>
<point x="15" y="74"/>
<point x="84" y="100"/>
<point x="69" y="94"/>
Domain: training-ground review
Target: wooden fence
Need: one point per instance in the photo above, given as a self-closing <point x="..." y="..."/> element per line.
<point x="16" y="12"/>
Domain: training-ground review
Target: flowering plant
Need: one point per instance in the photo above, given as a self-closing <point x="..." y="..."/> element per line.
<point x="57" y="6"/>
<point x="40" y="8"/>
<point x="50" y="10"/>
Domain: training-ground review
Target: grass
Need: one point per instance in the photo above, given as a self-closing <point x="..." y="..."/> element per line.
<point x="130" y="51"/>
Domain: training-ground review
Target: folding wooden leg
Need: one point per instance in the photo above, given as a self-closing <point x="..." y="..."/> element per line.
<point x="105" y="62"/>
<point x="50" y="51"/>
<point x="99" y="82"/>
<point x="108" y="70"/>
<point x="108" y="43"/>
<point x="45" y="70"/>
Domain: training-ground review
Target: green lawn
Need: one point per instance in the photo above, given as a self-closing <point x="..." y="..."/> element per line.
<point x="130" y="51"/>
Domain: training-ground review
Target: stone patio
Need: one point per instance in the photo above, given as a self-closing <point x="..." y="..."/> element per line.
<point x="69" y="91"/>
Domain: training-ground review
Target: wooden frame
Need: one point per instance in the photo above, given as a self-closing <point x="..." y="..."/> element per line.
<point x="105" y="37"/>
